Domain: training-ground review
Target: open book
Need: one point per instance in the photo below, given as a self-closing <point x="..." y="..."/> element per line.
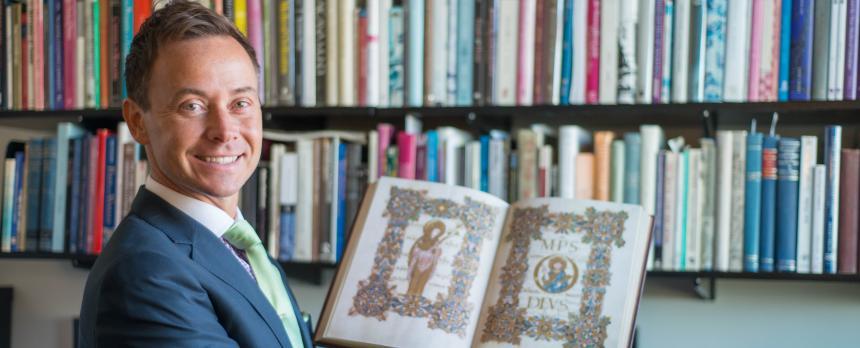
<point x="434" y="265"/>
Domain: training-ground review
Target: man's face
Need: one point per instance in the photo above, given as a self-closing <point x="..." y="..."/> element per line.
<point x="203" y="131"/>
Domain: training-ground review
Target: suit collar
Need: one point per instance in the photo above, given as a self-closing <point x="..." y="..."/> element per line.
<point x="209" y="252"/>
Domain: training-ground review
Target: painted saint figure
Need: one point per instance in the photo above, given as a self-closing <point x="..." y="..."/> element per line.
<point x="556" y="280"/>
<point x="424" y="255"/>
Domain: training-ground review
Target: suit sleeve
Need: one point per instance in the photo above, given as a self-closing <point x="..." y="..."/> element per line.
<point x="147" y="301"/>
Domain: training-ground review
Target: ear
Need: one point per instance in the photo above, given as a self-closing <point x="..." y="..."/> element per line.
<point x="132" y="113"/>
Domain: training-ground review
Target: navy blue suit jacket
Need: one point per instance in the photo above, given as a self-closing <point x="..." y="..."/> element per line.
<point x="164" y="280"/>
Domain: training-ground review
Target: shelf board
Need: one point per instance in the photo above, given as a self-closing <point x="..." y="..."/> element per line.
<point x="757" y="276"/>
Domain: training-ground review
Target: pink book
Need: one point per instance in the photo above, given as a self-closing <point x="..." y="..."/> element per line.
<point x="770" y="83"/>
<point x="406" y="154"/>
<point x="592" y="62"/>
<point x="526" y="53"/>
<point x="385" y="132"/>
<point x="584" y="176"/>
<point x="38" y="56"/>
<point x="421" y="158"/>
<point x="255" y="36"/>
<point x="755" y="51"/>
<point x="70" y="36"/>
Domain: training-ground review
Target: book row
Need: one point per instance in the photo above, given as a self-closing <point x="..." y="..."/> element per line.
<point x="67" y="54"/>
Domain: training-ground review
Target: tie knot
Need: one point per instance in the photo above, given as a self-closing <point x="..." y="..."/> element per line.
<point x="241" y="235"/>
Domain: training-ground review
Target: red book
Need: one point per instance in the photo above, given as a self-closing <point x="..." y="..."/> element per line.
<point x="70" y="35"/>
<point x="38" y="56"/>
<point x="592" y="62"/>
<point x="385" y="132"/>
<point x="98" y="201"/>
<point x="406" y="153"/>
<point x="362" y="59"/>
<point x="849" y="200"/>
<point x="142" y="10"/>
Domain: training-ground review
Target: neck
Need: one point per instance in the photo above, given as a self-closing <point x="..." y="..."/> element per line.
<point x="228" y="204"/>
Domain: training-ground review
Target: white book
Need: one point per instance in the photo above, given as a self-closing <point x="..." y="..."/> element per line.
<point x="556" y="67"/>
<point x="668" y="35"/>
<point x="628" y="68"/>
<point x="372" y="156"/>
<point x="670" y="211"/>
<point x="374" y="59"/>
<point x="309" y="54"/>
<point x="808" y="159"/>
<point x="769" y="48"/>
<point x="695" y="207"/>
<point x="438" y="17"/>
<point x="724" y="200"/>
<point x="346" y="55"/>
<point x="736" y="236"/>
<point x="332" y="191"/>
<point x="652" y="142"/>
<point x="836" y="61"/>
<point x="819" y="173"/>
<point x="288" y="193"/>
<point x="681" y="52"/>
<point x="570" y="140"/>
<point x="450" y="141"/>
<point x="580" y="34"/>
<point x="737" y="51"/>
<point x="304" y="203"/>
<point x="276" y="153"/>
<point x="505" y="77"/>
<point x="332" y="54"/>
<point x="609" y="12"/>
<point x="473" y="165"/>
<point x="526" y="68"/>
<point x="451" y="46"/>
<point x="384" y="46"/>
<point x="645" y="54"/>
<point x="545" y="163"/>
<point x="498" y="158"/>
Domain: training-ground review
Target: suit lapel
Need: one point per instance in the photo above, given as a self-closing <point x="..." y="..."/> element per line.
<point x="209" y="252"/>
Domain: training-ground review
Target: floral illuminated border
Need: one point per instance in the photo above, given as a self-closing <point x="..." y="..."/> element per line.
<point x="507" y="322"/>
<point x="450" y="312"/>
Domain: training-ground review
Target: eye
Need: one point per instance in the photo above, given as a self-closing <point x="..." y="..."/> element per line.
<point x="192" y="107"/>
<point x="241" y="104"/>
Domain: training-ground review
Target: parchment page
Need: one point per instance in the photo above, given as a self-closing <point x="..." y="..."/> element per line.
<point x="418" y="271"/>
<point x="567" y="272"/>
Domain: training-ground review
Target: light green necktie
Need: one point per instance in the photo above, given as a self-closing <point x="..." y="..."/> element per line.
<point x="241" y="235"/>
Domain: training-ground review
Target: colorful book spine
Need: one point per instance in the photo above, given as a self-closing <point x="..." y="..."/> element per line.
<point x="17" y="207"/>
<point x="752" y="204"/>
<point x="785" y="49"/>
<point x="788" y="168"/>
<point x="432" y="164"/>
<point x="340" y="201"/>
<point x="632" y="144"/>
<point x="465" y="52"/>
<point x="698" y="41"/>
<point x="566" y="53"/>
<point x="755" y="51"/>
<point x="8" y="203"/>
<point x="385" y="133"/>
<point x="406" y="161"/>
<point x="70" y="38"/>
<point x="592" y="60"/>
<point x="849" y="200"/>
<point x="396" y="81"/>
<point x="76" y="151"/>
<point x="851" y="44"/>
<point x="668" y="42"/>
<point x="715" y="48"/>
<point x="485" y="163"/>
<point x="681" y="211"/>
<point x="602" y="162"/>
<point x="47" y="237"/>
<point x="769" y="175"/>
<point x="526" y="52"/>
<point x="50" y="54"/>
<point x="98" y="201"/>
<point x="821" y="44"/>
<point x="110" y="190"/>
<point x="769" y="65"/>
<point x="659" y="37"/>
<point x="449" y="95"/>
<point x="832" y="151"/>
<point x="800" y="74"/>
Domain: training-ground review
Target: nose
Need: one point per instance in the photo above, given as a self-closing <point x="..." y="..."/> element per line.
<point x="221" y="126"/>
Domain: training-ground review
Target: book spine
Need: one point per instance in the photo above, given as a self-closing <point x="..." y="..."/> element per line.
<point x="652" y="140"/>
<point x="485" y="163"/>
<point x="395" y="82"/>
<point x="383" y="46"/>
<point x="616" y="185"/>
<point x="551" y="51"/>
<point x="752" y="204"/>
<point x="567" y="53"/>
<point x="113" y="74"/>
<point x="768" y="83"/>
<point x="406" y="146"/>
<point x="736" y="246"/>
<point x="584" y="176"/>
<point x="373" y="82"/>
<point x="836" y="61"/>
<point x="592" y="62"/>
<point x="632" y="143"/>
<point x="480" y="50"/>
<point x="526" y="156"/>
<point x="832" y="149"/>
<point x="680" y="238"/>
<point x="435" y="41"/>
<point x="737" y="51"/>
<point x="8" y="196"/>
<point x="666" y="246"/>
<point x="94" y="61"/>
<point x="695" y="205"/>
<point x="448" y="89"/>
<point x="466" y="30"/>
<point x="126" y="33"/>
<point x="849" y="200"/>
<point x="432" y="167"/>
<point x="659" y="211"/>
<point x="659" y="36"/>
<point x="645" y="52"/>
<point x="110" y="191"/>
<point x="50" y="57"/>
<point x="756" y="33"/>
<point x="608" y="58"/>
<point x="808" y="159"/>
<point x="851" y="37"/>
<point x="48" y="240"/>
<point x="818" y="198"/>
<point x="332" y="52"/>
<point x="709" y="195"/>
<point x="724" y="200"/>
<point x="70" y="38"/>
<point x="785" y="49"/>
<point x="320" y="56"/>
<point x="362" y="56"/>
<point x="281" y="86"/>
<point x="386" y="133"/>
<point x="602" y="162"/>
<point x="800" y="75"/>
<point x="545" y="185"/>
<point x="340" y="202"/>
<point x="668" y="35"/>
<point x="821" y="44"/>
<point x="540" y="36"/>
<point x="627" y="63"/>
<point x="99" y="198"/>
<point x="498" y="163"/>
<point x="414" y="52"/>
<point x="38" y="55"/>
<point x="18" y="205"/>
<point x="788" y="167"/>
<point x="34" y="193"/>
<point x="715" y="46"/>
<point x="681" y="52"/>
<point x="526" y="52"/>
<point x="505" y="61"/>
<point x="698" y="41"/>
<point x="568" y="149"/>
<point x="579" y="52"/>
<point x="767" y="239"/>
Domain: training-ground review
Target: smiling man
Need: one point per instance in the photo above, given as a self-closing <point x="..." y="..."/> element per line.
<point x="184" y="269"/>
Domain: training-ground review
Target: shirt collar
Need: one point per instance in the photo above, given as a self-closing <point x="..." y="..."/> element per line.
<point x="213" y="218"/>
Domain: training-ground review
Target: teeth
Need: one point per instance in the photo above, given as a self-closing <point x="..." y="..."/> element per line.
<point x="221" y="160"/>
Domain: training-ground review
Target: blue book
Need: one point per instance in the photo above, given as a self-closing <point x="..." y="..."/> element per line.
<point x="33" y="192"/>
<point x="566" y="52"/>
<point x="632" y="144"/>
<point x="74" y="217"/>
<point x="57" y="67"/>
<point x="84" y="228"/>
<point x="681" y="213"/>
<point x="340" y="243"/>
<point x="752" y="202"/>
<point x="432" y="156"/>
<point x="768" y="203"/>
<point x="66" y="133"/>
<point x="287" y="239"/>
<point x="109" y="217"/>
<point x="127" y="34"/>
<point x="16" y="197"/>
<point x="668" y="27"/>
<point x="465" y="51"/>
<point x="415" y="52"/>
<point x="715" y="49"/>
<point x="658" y="208"/>
<point x="802" y="24"/>
<point x="485" y="163"/>
<point x="832" y="151"/>
<point x="788" y="167"/>
<point x="785" y="49"/>
<point x="49" y="174"/>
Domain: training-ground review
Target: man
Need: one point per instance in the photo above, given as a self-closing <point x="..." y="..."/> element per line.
<point x="184" y="269"/>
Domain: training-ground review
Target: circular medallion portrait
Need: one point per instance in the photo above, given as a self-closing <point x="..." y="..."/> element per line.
<point x="556" y="274"/>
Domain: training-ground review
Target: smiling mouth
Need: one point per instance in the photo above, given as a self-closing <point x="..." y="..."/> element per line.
<point x="219" y="159"/>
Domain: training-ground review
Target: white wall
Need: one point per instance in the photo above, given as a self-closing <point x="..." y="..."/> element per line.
<point x="746" y="313"/>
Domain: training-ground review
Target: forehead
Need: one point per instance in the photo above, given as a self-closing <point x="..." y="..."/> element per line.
<point x="218" y="60"/>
